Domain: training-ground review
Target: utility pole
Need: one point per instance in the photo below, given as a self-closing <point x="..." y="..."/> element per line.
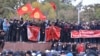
<point x="79" y="8"/>
<point x="78" y="16"/>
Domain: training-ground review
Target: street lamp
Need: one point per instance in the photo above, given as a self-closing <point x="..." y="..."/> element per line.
<point x="78" y="15"/>
<point x="79" y="9"/>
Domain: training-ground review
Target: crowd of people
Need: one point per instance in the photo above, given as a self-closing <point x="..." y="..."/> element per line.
<point x="58" y="49"/>
<point x="16" y="30"/>
<point x="76" y="49"/>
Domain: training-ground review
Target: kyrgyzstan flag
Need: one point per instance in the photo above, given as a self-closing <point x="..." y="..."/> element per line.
<point x="33" y="33"/>
<point x="37" y="14"/>
<point x="27" y="8"/>
<point x="53" y="5"/>
<point x="48" y="34"/>
<point x="56" y="32"/>
<point x="52" y="33"/>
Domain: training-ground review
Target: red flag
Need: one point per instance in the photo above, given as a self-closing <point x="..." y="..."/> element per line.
<point x="37" y="14"/>
<point x="48" y="34"/>
<point x="33" y="33"/>
<point x="53" y="5"/>
<point x="27" y="8"/>
<point x="52" y="33"/>
<point x="57" y="32"/>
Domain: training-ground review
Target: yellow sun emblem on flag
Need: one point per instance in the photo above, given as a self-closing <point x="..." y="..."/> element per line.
<point x="24" y="8"/>
<point x="36" y="15"/>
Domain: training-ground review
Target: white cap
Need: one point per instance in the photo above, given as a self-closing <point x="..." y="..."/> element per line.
<point x="53" y="51"/>
<point x="39" y="55"/>
<point x="47" y="51"/>
<point x="33" y="54"/>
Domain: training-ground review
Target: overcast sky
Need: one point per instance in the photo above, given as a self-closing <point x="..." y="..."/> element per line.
<point x="86" y="2"/>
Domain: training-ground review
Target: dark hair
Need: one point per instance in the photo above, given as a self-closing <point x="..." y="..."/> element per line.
<point x="28" y="52"/>
<point x="43" y="54"/>
<point x="19" y="53"/>
<point x="92" y="53"/>
<point x="10" y="52"/>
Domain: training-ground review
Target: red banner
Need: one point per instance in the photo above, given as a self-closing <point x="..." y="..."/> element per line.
<point x="33" y="33"/>
<point x="52" y="32"/>
<point x="85" y="34"/>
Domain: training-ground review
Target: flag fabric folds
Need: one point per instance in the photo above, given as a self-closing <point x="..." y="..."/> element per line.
<point x="57" y="32"/>
<point x="37" y="14"/>
<point x="27" y="8"/>
<point x="33" y="33"/>
<point x="47" y="34"/>
<point x="52" y="33"/>
<point x="33" y="13"/>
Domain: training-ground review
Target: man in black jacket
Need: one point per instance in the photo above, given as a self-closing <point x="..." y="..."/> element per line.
<point x="42" y="31"/>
